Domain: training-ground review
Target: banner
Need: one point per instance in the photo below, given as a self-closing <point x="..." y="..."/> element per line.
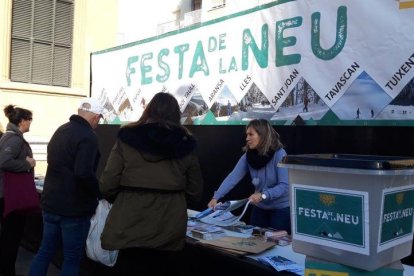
<point x="314" y="62"/>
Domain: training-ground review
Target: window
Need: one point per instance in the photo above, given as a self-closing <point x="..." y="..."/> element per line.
<point x="196" y="5"/>
<point x="41" y="42"/>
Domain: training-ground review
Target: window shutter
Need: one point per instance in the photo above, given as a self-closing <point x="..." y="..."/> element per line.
<point x="64" y="23"/>
<point x="61" y="65"/>
<point x="20" y="44"/>
<point x="62" y="56"/>
<point x="20" y="60"/>
<point x="41" y="68"/>
<point x="43" y="20"/>
<point x="41" y="47"/>
<point x="22" y="19"/>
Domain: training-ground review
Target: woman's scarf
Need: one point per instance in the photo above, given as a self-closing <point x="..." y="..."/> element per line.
<point x="258" y="161"/>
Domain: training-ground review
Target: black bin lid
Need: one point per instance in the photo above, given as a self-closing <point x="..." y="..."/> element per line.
<point x="354" y="161"/>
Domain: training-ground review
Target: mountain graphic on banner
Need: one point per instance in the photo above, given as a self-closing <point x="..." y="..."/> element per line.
<point x="312" y="122"/>
<point x="298" y="121"/>
<point x="116" y="121"/>
<point x="402" y="107"/>
<point x="363" y="100"/>
<point x="302" y="101"/>
<point x="196" y="109"/>
<point x="109" y="113"/>
<point x="330" y="118"/>
<point x="255" y="105"/>
<point x="225" y="105"/>
<point x="208" y="119"/>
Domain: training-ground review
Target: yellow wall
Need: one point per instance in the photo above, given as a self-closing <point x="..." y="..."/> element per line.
<point x="95" y="28"/>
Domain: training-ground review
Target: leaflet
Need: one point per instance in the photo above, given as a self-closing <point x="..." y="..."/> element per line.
<point x="222" y="215"/>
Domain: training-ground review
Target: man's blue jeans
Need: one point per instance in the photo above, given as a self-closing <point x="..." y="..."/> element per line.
<point x="70" y="233"/>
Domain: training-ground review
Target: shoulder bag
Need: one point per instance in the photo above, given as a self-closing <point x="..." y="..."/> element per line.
<point x="19" y="191"/>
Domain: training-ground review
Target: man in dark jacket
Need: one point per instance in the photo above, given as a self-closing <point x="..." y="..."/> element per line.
<point x="71" y="189"/>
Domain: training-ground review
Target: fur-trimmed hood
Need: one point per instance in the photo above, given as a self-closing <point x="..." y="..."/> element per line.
<point x="156" y="142"/>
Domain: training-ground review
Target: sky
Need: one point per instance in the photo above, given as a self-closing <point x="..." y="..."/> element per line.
<point x="139" y="19"/>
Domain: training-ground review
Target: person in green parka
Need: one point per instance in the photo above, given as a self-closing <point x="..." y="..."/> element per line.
<point x="151" y="173"/>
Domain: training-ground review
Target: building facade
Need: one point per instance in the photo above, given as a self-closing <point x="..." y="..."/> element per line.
<point x="46" y="46"/>
<point x="44" y="59"/>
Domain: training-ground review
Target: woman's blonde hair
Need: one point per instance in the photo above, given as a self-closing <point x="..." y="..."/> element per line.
<point x="269" y="138"/>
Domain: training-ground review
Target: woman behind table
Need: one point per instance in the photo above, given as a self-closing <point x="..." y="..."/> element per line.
<point x="151" y="171"/>
<point x="15" y="156"/>
<point x="270" y="200"/>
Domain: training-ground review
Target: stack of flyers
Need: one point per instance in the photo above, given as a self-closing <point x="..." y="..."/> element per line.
<point x="207" y="232"/>
<point x="240" y="228"/>
<point x="222" y="214"/>
<point x="282" y="264"/>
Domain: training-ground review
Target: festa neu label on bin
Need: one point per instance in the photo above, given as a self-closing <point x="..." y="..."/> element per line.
<point x="396" y="217"/>
<point x="338" y="217"/>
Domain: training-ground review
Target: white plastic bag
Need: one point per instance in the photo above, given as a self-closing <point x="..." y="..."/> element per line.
<point x="93" y="243"/>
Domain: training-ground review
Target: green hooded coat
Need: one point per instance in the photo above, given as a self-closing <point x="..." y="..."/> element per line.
<point x="150" y="174"/>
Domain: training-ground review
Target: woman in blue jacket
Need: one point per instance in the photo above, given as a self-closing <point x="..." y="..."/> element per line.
<point x="263" y="151"/>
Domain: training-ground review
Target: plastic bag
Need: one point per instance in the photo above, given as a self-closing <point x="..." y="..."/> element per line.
<point x="93" y="243"/>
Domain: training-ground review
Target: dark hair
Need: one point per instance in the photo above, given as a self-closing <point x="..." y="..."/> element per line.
<point x="269" y="138"/>
<point x="17" y="114"/>
<point x="162" y="109"/>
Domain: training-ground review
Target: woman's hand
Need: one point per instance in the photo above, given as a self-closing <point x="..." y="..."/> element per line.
<point x="255" y="198"/>
<point x="31" y="161"/>
<point x="212" y="204"/>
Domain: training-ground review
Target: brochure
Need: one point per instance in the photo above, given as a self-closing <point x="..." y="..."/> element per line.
<point x="222" y="215"/>
<point x="207" y="232"/>
<point x="281" y="263"/>
<point x="240" y="227"/>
